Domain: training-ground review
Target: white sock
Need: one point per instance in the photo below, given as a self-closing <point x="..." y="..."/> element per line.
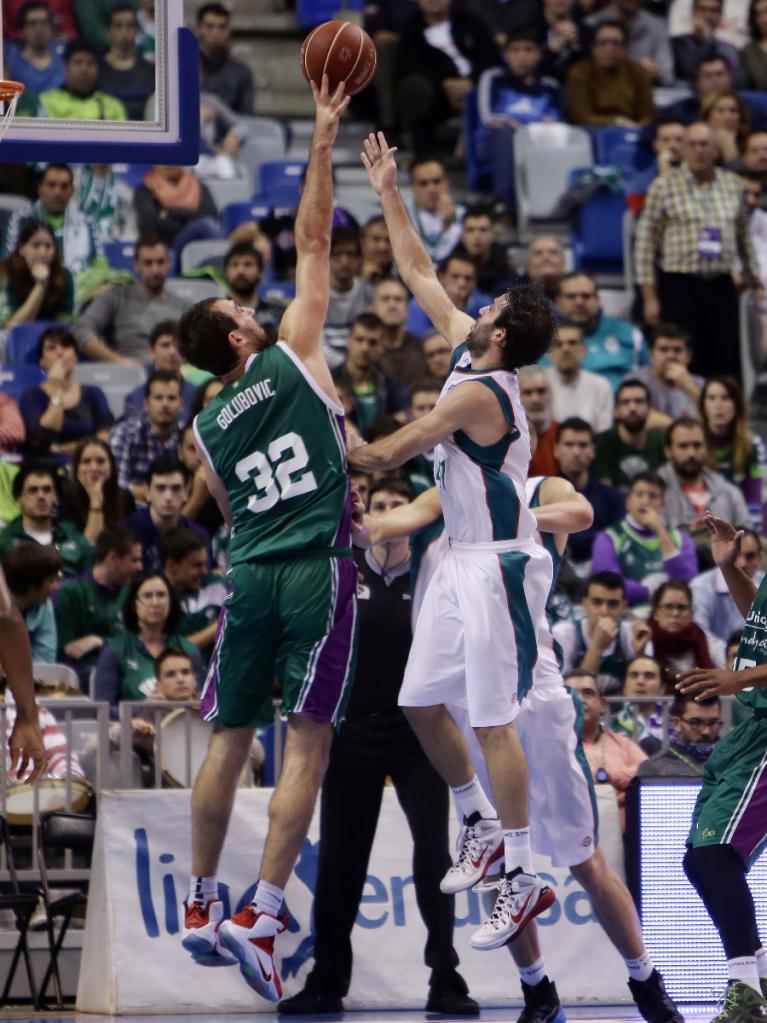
<point x="641" y="968"/>
<point x="761" y="961"/>
<point x="472" y="799"/>
<point x="268" y="898"/>
<point x="202" y="889"/>
<point x="517" y="852"/>
<point x="745" y="970"/>
<point x="534" y="973"/>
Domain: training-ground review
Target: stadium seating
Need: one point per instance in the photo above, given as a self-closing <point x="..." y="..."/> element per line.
<point x="114" y="379"/>
<point x="627" y="148"/>
<point x="265" y="140"/>
<point x="120" y="255"/>
<point x="597" y="237"/>
<point x="192" y="289"/>
<point x="479" y="171"/>
<point x="195" y="254"/>
<point x="279" y="182"/>
<point x="757" y="108"/>
<point x="313" y="12"/>
<point x="23" y="339"/>
<point x="544" y="157"/>
<point x="226" y="190"/>
<point x="14" y="380"/>
<point x="236" y="213"/>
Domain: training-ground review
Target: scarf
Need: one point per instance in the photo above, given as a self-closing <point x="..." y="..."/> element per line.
<point x="668" y="645"/>
<point x="186" y="194"/>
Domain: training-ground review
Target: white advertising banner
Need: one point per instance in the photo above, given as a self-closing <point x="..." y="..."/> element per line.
<point x="133" y="961"/>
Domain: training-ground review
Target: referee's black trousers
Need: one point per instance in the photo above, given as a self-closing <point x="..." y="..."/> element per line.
<point x="707" y="307"/>
<point x="366" y="750"/>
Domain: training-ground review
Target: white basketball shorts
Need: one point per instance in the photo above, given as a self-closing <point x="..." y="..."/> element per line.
<point x="564" y="820"/>
<point x="475" y="638"/>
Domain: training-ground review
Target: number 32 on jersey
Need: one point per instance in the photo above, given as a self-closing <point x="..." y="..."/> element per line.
<point x="275" y="476"/>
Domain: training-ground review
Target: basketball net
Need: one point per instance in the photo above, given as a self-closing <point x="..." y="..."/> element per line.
<point x="10" y="94"/>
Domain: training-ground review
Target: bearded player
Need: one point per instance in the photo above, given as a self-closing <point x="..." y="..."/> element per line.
<point x="474" y="642"/>
<point x="273" y="451"/>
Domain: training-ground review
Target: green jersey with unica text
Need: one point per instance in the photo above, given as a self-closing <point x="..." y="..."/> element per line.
<point x="277" y="443"/>
<point x="753" y="648"/>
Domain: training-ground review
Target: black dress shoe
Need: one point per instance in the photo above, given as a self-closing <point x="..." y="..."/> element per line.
<point x="310" y="1003"/>
<point x="449" y="996"/>
<point x="451" y="1003"/>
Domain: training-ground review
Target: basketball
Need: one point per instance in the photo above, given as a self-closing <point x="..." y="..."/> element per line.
<point x="343" y="52"/>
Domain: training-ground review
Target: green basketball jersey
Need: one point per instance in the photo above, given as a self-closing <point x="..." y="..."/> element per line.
<point x="277" y="443"/>
<point x="753" y="647"/>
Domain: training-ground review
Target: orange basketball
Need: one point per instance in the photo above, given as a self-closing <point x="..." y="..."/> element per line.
<point x="343" y="52"/>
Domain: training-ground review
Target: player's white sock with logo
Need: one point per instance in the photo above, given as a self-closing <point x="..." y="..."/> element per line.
<point x="641" y="968"/>
<point x="534" y="973"/>
<point x="268" y="898"/>
<point x="471" y="799"/>
<point x="744" y="969"/>
<point x="516" y="850"/>
<point x="761" y="962"/>
<point x="202" y="889"/>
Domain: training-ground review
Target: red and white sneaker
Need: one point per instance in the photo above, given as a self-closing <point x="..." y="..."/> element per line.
<point x="520" y="898"/>
<point x="249" y="937"/>
<point x="202" y="921"/>
<point x="480" y="849"/>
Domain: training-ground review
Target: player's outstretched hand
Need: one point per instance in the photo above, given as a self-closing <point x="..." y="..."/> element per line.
<point x="725" y="538"/>
<point x="703" y="683"/>
<point x="328" y="110"/>
<point x="379" y="162"/>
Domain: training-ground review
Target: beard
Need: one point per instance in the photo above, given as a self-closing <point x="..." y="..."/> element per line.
<point x="242" y="285"/>
<point x="634" y="425"/>
<point x="688" y="469"/>
<point x="478" y="340"/>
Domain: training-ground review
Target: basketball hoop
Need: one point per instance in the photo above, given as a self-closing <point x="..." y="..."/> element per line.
<point x="10" y="93"/>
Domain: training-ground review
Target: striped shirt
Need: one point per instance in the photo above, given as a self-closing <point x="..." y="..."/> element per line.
<point x="677" y="211"/>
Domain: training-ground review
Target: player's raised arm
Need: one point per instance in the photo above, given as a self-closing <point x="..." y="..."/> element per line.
<point x="413" y="261"/>
<point x="301" y="325"/>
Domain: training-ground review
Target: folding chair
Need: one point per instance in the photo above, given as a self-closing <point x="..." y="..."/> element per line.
<point x="61" y="831"/>
<point x="23" y="904"/>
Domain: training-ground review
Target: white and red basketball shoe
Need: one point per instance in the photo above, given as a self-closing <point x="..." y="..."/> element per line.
<point x="249" y="937"/>
<point x="480" y="852"/>
<point x="202" y="921"/>
<point x="520" y="898"/>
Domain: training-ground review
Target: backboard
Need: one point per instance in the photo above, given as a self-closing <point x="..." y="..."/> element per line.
<point x="168" y="134"/>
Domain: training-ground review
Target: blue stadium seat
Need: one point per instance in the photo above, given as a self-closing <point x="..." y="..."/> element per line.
<point x="313" y="12"/>
<point x="625" y="147"/>
<point x="120" y="255"/>
<point x="757" y="108"/>
<point x="597" y="237"/>
<point x="480" y="172"/>
<point x="237" y="213"/>
<point x="14" y="380"/>
<point x="278" y="291"/>
<point x="21" y="349"/>
<point x="279" y="183"/>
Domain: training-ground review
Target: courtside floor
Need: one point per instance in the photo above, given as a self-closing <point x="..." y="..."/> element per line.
<point x="590" y="1014"/>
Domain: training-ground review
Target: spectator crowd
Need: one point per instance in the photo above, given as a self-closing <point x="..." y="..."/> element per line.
<point x="114" y="550"/>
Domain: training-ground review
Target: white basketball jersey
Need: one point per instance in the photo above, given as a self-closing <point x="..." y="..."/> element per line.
<point x="482" y="487"/>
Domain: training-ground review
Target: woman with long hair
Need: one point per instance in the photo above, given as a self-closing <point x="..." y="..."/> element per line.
<point x="754" y="54"/>
<point x="60" y="412"/>
<point x="37" y="286"/>
<point x="733" y="450"/>
<point x="126" y="665"/>
<point x="91" y="497"/>
<point x="727" y="115"/>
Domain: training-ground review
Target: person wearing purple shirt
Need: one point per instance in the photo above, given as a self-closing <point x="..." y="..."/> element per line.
<point x="641" y="548"/>
<point x="168" y="490"/>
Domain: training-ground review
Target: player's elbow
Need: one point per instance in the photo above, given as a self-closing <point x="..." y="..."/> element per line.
<point x="312" y="240"/>
<point x="584" y="516"/>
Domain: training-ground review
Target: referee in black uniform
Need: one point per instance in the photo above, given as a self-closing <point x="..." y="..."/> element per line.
<point x="376" y="742"/>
